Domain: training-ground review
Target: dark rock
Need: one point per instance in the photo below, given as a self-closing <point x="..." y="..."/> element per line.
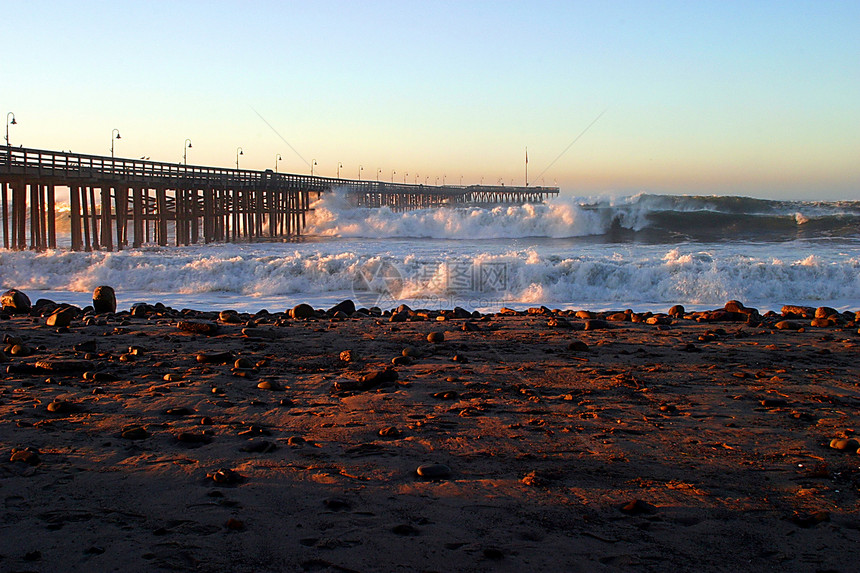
<point x="676" y="311"/>
<point x="346" y="306"/>
<point x="434" y="471"/>
<point x="436" y="337"/>
<point x="638" y="507"/>
<point x="389" y="432"/>
<point x="198" y="327"/>
<point x="134" y="433"/>
<point x="62" y="317"/>
<point x="577" y="346"/>
<point x="104" y="300"/>
<point x="59" y="366"/>
<point x="850" y="445"/>
<point x="14" y="301"/>
<point x="224" y="476"/>
<point x="595" y="324"/>
<point x="302" y="311"/>
<point x="215" y="357"/>
<point x="26" y="455"/>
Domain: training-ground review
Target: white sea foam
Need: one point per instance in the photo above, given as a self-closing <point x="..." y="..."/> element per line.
<point x="561" y="273"/>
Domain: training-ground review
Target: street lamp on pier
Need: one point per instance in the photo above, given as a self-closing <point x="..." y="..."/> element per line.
<point x="277" y="158"/>
<point x="313" y="163"/>
<point x="339" y="165"/>
<point x="112" y="139"/>
<point x="185" y="149"/>
<point x="239" y="151"/>
<point x="8" y="123"/>
<point x="360" y="169"/>
<point x="378" y="171"/>
<point x="393" y="173"/>
<point x="405" y="175"/>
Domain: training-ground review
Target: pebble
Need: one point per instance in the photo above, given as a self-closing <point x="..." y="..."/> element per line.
<point x="198" y="327"/>
<point x="302" y="311"/>
<point x="436" y="337"/>
<point x="224" y="476"/>
<point x="61" y="407"/>
<point x="637" y="507"/>
<point x="26" y="455"/>
<point x="389" y="432"/>
<point x="850" y="445"/>
<point x="577" y="346"/>
<point x="434" y="471"/>
<point x="214" y="357"/>
<point x="788" y="325"/>
<point x="134" y="433"/>
<point x="53" y="365"/>
<point x="104" y="300"/>
<point x="269" y="385"/>
<point x="348" y="356"/>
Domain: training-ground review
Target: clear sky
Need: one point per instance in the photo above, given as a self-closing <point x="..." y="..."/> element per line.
<point x="757" y="98"/>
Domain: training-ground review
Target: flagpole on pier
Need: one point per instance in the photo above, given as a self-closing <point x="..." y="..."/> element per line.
<point x="527" y="166"/>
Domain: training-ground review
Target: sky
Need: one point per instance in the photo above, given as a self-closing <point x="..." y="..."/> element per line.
<point x="613" y="97"/>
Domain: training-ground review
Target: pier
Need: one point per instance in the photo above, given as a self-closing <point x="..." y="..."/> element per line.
<point x="115" y="203"/>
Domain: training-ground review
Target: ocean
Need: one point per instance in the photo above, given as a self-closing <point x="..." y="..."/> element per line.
<point x="643" y="252"/>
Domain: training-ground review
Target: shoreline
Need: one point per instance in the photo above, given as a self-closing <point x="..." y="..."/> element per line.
<point x="158" y="439"/>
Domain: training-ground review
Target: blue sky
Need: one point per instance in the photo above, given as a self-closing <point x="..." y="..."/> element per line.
<point x="753" y="98"/>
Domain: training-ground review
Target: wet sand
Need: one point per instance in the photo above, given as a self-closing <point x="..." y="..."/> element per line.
<point x="138" y="443"/>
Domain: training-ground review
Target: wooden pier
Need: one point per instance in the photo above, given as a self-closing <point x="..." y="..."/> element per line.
<point x="115" y="203"/>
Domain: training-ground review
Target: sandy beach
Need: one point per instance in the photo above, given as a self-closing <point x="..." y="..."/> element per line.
<point x="159" y="439"/>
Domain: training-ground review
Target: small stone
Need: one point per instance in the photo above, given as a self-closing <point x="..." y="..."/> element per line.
<point x="447" y="395"/>
<point x="104" y="300"/>
<point x="26" y="455"/>
<point x="61" y="407"/>
<point x="243" y="363"/>
<point x="62" y="317"/>
<point x="269" y="385"/>
<point x="676" y="311"/>
<point x="788" y="325"/>
<point x="193" y="438"/>
<point x="135" y="433"/>
<point x="577" y="346"/>
<point x="259" y="447"/>
<point x="172" y="377"/>
<point x="348" y="356"/>
<point x="198" y="327"/>
<point x="214" y="357"/>
<point x="434" y="471"/>
<point x="436" y="337"/>
<point x="595" y="324"/>
<point x="229" y="317"/>
<point x="346" y="306"/>
<point x="389" y="432"/>
<point x="224" y="476"/>
<point x="63" y="365"/>
<point x="302" y="311"/>
<point x="850" y="445"/>
<point x="234" y="524"/>
<point x="637" y="507"/>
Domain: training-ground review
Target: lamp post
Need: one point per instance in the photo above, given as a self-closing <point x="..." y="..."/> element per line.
<point x="185" y="149"/>
<point x="405" y="175"/>
<point x="378" y="171"/>
<point x="360" y="169"/>
<point x="277" y="158"/>
<point x="112" y="139"/>
<point x="339" y="165"/>
<point x="239" y="152"/>
<point x="8" y="124"/>
<point x="314" y="162"/>
<point x="393" y="173"/>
